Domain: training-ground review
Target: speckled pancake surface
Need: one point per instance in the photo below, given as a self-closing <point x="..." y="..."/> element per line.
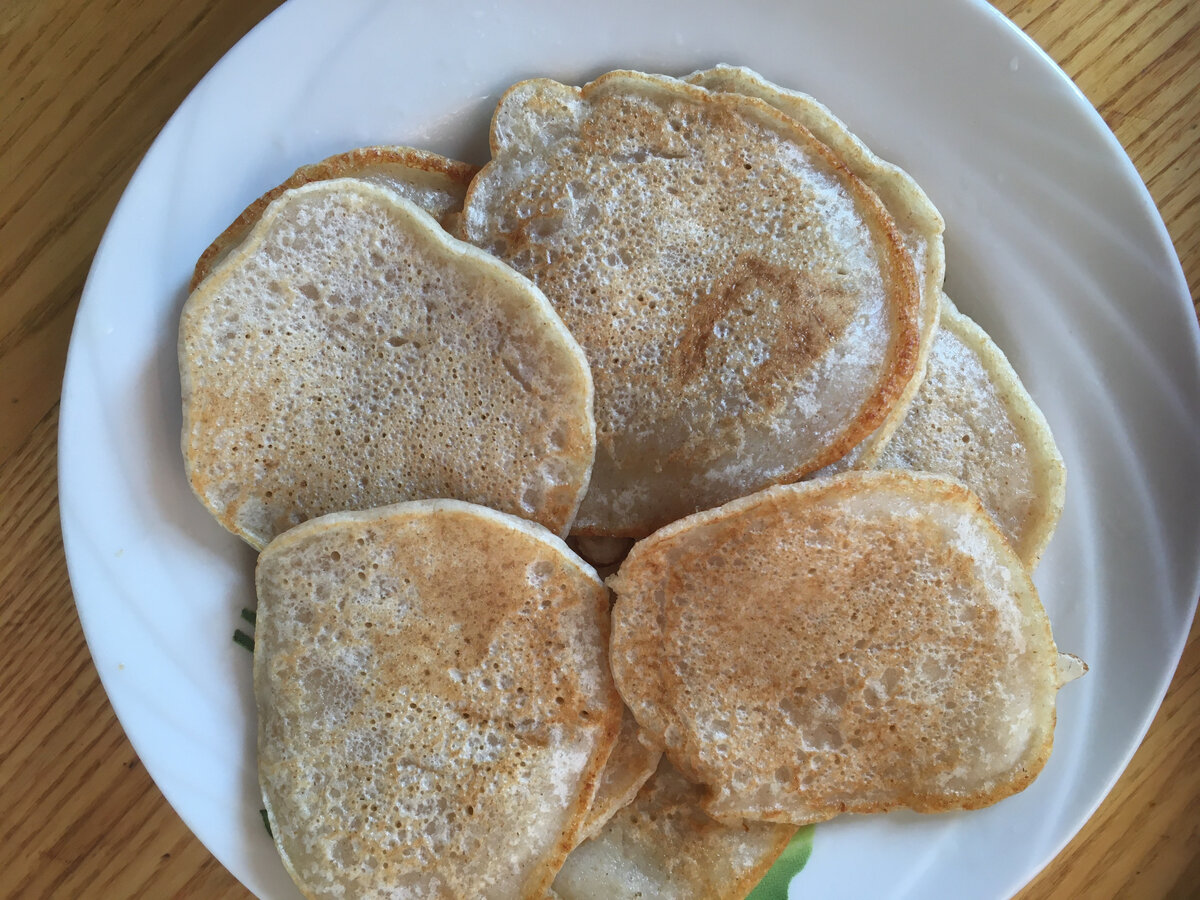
<point x="350" y="353"/>
<point x="973" y="420"/>
<point x="860" y="643"/>
<point x="748" y="307"/>
<point x="664" y="846"/>
<point x="919" y="223"/>
<point x="434" y="699"/>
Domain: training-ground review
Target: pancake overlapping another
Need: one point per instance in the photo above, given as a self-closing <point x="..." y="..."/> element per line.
<point x="747" y="304"/>
<point x="917" y="220"/>
<point x="435" y="704"/>
<point x="664" y="846"/>
<point x="973" y="420"/>
<point x="432" y="182"/>
<point x="631" y="763"/>
<point x="757" y="297"/>
<point x="350" y="353"/>
<point x="860" y="643"/>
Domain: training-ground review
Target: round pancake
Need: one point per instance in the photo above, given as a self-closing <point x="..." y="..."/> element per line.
<point x="917" y="220"/>
<point x="350" y="354"/>
<point x="434" y="701"/>
<point x="747" y="305"/>
<point x="974" y="421"/>
<point x="860" y="643"/>
<point x="432" y="182"/>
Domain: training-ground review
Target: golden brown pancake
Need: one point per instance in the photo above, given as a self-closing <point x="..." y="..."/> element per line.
<point x="857" y="644"/>
<point x="434" y="701"/>
<point x="917" y="220"/>
<point x="748" y="307"/>
<point x="350" y="353"/>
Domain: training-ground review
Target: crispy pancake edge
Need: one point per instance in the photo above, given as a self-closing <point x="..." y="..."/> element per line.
<point x="342" y="165"/>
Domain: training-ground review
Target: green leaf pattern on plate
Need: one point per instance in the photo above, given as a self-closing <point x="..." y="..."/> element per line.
<point x="774" y="885"/>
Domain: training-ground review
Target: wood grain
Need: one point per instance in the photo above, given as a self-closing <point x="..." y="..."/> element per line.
<point x="84" y="88"/>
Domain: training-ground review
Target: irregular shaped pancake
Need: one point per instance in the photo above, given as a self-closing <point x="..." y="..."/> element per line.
<point x="665" y="846"/>
<point x="747" y="305"/>
<point x="432" y="182"/>
<point x="350" y="353"/>
<point x="973" y="420"/>
<point x="917" y="220"/>
<point x="434" y="701"/>
<point x="631" y="763"/>
<point x="856" y="644"/>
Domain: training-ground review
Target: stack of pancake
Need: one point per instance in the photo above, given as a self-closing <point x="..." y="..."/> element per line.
<point x="697" y="318"/>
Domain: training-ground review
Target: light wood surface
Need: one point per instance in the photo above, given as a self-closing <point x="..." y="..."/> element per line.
<point x="84" y="87"/>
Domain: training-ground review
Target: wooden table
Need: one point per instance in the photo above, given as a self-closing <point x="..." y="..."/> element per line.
<point x="85" y="87"/>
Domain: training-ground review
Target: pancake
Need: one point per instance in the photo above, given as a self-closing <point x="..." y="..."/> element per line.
<point x="974" y="421"/>
<point x="631" y="763"/>
<point x="749" y="310"/>
<point x="432" y="182"/>
<point x="857" y="644"/>
<point x="351" y="354"/>
<point x="664" y="846"/>
<point x="917" y="220"/>
<point x="434" y="701"/>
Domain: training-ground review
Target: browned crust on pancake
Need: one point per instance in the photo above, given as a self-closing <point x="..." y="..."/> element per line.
<point x="896" y="267"/>
<point x="916" y="217"/>
<point x="326" y="453"/>
<point x="655" y="693"/>
<point x="343" y="165"/>
<point x="664" y="836"/>
<point x="899" y="274"/>
<point x="412" y="648"/>
<point x="905" y="350"/>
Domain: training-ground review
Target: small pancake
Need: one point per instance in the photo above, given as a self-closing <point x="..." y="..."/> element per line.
<point x="857" y="644"/>
<point x="917" y="220"/>
<point x="350" y="354"/>
<point x="749" y="310"/>
<point x="664" y="846"/>
<point x="434" y="701"/>
<point x="973" y="420"/>
<point x="432" y="182"/>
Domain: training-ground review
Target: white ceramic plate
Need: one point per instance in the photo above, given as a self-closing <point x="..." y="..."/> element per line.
<point x="1053" y="244"/>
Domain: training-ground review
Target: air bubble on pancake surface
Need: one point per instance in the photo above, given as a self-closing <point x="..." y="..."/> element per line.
<point x="538" y="572"/>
